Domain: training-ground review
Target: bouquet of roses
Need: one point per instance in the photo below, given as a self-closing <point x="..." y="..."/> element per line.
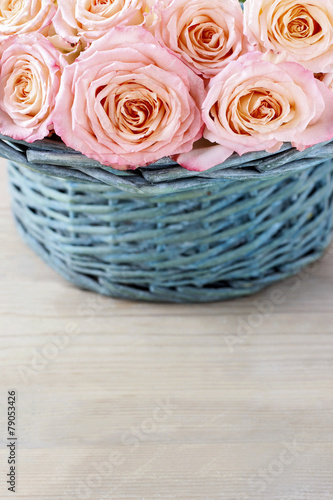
<point x="127" y="82"/>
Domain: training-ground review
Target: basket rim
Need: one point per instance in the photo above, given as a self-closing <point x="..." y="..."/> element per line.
<point x="51" y="157"/>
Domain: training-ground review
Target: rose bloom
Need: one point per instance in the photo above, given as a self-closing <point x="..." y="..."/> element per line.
<point x="92" y="19"/>
<point x="205" y="34"/>
<point x="127" y="101"/>
<point x="254" y="104"/>
<point x="304" y="30"/>
<point x="23" y="16"/>
<point x="30" y="72"/>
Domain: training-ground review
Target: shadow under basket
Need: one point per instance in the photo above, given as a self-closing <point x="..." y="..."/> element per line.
<point x="207" y="237"/>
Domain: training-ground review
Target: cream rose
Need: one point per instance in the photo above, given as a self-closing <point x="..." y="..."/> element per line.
<point x="69" y="50"/>
<point x="24" y="16"/>
<point x="255" y="105"/>
<point x="205" y="34"/>
<point x="303" y="30"/>
<point x="151" y="13"/>
<point x="127" y="101"/>
<point x="91" y="19"/>
<point x="30" y="72"/>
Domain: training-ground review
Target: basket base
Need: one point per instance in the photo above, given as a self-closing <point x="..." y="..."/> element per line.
<point x="260" y="233"/>
<point x="188" y="295"/>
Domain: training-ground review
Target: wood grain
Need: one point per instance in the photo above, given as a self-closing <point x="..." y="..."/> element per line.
<point x="121" y="400"/>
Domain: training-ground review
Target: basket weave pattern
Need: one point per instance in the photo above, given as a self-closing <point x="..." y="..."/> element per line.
<point x="164" y="234"/>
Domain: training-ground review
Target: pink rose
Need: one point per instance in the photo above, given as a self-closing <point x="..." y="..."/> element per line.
<point x="254" y="105"/>
<point x="24" y="16"/>
<point x="91" y="20"/>
<point x="205" y="34"/>
<point x="128" y="101"/>
<point x="303" y="30"/>
<point x="30" y="73"/>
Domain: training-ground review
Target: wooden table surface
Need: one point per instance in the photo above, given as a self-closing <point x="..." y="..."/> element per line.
<point x="122" y="400"/>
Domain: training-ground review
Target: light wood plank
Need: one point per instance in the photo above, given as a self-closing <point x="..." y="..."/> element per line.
<point x="247" y="389"/>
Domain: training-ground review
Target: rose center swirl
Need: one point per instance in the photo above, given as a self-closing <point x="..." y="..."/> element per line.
<point x="23" y="92"/>
<point x="253" y="109"/>
<point x="9" y="8"/>
<point x="204" y="35"/>
<point x="135" y="110"/>
<point x="298" y="24"/>
<point x="104" y="7"/>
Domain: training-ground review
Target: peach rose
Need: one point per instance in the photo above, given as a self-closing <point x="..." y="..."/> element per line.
<point x="254" y="105"/>
<point x="128" y="101"/>
<point x="205" y="34"/>
<point x="304" y="30"/>
<point x="24" y="16"/>
<point x="91" y="19"/>
<point x="29" y="81"/>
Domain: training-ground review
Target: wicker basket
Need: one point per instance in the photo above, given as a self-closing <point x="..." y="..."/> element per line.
<point x="162" y="233"/>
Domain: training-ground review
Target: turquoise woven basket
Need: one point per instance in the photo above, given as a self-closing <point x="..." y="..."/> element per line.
<point x="162" y="233"/>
